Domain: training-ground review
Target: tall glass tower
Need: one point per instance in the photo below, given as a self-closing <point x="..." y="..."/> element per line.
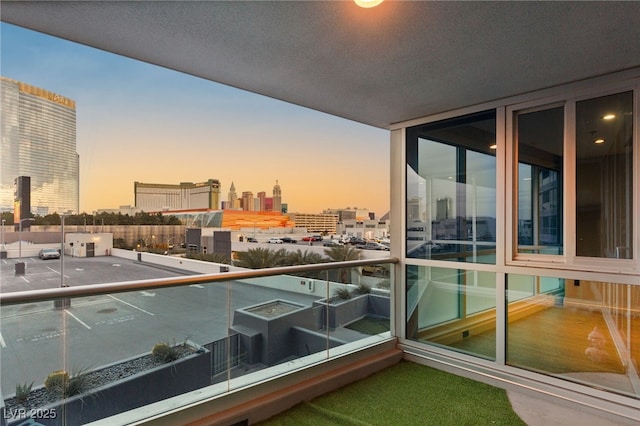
<point x="39" y="141"/>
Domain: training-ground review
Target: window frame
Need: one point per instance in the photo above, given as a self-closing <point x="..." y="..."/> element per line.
<point x="569" y="258"/>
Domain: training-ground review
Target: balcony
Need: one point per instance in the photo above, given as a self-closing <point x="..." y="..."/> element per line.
<point x="229" y="339"/>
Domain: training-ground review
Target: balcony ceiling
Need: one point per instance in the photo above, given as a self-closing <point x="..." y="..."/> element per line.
<point x="396" y="62"/>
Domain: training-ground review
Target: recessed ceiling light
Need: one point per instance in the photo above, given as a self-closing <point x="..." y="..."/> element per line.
<point x="598" y="141"/>
<point x="368" y="3"/>
<point x="494" y="146"/>
<point x="608" y="116"/>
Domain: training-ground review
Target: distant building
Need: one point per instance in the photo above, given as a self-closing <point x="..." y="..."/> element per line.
<point x="231" y="198"/>
<point x="316" y="223"/>
<point x="38" y="134"/>
<point x="22" y="202"/>
<point x="130" y="210"/>
<point x="184" y="196"/>
<point x="343" y="214"/>
<point x="247" y="201"/>
<point x="277" y="198"/>
<point x="261" y="201"/>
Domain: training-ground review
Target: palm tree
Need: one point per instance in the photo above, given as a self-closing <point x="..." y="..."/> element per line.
<point x="342" y="254"/>
<point x="307" y="257"/>
<point x="260" y="258"/>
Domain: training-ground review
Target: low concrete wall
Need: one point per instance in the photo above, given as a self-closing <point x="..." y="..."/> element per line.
<point x="191" y="265"/>
<point x="28" y="249"/>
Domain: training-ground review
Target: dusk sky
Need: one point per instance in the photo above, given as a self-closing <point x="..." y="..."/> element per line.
<point x="140" y="122"/>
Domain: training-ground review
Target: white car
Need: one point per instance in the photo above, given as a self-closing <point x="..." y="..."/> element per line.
<point x="275" y="241"/>
<point x="49" y="253"/>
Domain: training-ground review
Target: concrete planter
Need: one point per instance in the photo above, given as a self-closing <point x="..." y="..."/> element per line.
<point x="345" y="311"/>
<point x="164" y="381"/>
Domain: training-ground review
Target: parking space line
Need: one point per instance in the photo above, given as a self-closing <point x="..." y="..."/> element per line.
<point x="55" y="272"/>
<point x="25" y="279"/>
<point x="2" y="343"/>
<point x="77" y="319"/>
<point x="133" y="306"/>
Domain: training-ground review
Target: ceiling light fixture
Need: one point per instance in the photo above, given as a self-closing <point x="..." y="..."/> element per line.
<point x="494" y="146"/>
<point x="367" y="3"/>
<point x="598" y="141"/>
<point x="608" y="116"/>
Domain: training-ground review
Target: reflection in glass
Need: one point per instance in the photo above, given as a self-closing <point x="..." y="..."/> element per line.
<point x="604" y="177"/>
<point x="453" y="308"/>
<point x="451" y="189"/>
<point x="540" y="170"/>
<point x="578" y="330"/>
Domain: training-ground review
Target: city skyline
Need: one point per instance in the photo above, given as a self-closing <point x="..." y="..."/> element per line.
<point x="140" y="122"/>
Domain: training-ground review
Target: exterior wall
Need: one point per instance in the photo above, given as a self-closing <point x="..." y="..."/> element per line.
<point x="131" y="234"/>
<point x="77" y="244"/>
<point x="39" y="140"/>
<point x="364" y="229"/>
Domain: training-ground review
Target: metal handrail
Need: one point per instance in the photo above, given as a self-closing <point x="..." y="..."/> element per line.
<point x="31" y="296"/>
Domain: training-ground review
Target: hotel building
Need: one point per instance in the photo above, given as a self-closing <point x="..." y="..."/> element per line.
<point x="38" y="141"/>
<point x="154" y="197"/>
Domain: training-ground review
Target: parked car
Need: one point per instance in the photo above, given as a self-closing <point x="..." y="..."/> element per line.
<point x="251" y="240"/>
<point x="312" y="238"/>
<point x="372" y="245"/>
<point x="275" y="241"/>
<point x="332" y="243"/>
<point x="357" y="241"/>
<point x="288" y="240"/>
<point x="49" y="253"/>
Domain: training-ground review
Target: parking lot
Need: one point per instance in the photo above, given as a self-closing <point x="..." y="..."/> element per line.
<point x="36" y="338"/>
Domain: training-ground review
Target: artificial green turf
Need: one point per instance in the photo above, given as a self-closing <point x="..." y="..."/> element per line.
<point x="370" y="326"/>
<point x="406" y="394"/>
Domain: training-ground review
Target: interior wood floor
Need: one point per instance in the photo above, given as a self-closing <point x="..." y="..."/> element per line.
<point x="555" y="340"/>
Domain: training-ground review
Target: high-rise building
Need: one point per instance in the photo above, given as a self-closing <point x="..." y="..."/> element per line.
<point x="261" y="201"/>
<point x="277" y="197"/>
<point x="38" y="140"/>
<point x="152" y="197"/>
<point x="247" y="201"/>
<point x="232" y="197"/>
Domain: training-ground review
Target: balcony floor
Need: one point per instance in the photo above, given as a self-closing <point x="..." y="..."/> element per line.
<point x="412" y="394"/>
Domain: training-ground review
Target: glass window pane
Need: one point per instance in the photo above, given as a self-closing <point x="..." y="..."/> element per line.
<point x="451" y="189"/>
<point x="583" y="331"/>
<point x="604" y="177"/>
<point x="452" y="308"/>
<point x="540" y="170"/>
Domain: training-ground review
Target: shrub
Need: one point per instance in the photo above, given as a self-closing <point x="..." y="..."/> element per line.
<point x="362" y="289"/>
<point x="384" y="284"/>
<point x="57" y="381"/>
<point x="163" y="352"/>
<point x="78" y="383"/>
<point x="342" y="293"/>
<point x="23" y="391"/>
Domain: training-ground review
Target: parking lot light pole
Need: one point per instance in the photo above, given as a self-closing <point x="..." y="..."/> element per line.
<point x="20" y="264"/>
<point x="62" y="303"/>
<point x="3" y="248"/>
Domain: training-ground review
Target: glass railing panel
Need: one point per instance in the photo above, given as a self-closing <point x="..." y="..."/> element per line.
<point x="126" y="349"/>
<point x="286" y="322"/>
<point x="452" y="308"/>
<point x="585" y="331"/>
<point x="116" y="352"/>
